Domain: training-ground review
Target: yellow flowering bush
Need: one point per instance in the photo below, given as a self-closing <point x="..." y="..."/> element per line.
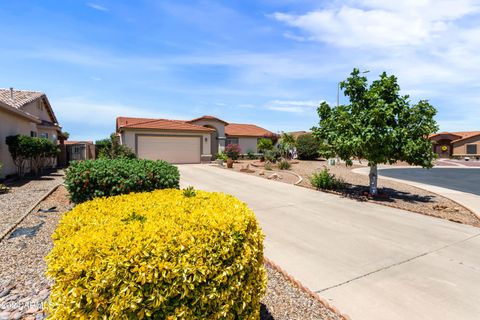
<point x="166" y="254"/>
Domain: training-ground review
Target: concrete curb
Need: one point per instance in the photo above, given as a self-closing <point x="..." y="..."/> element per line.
<point x="27" y="212"/>
<point x="300" y="286"/>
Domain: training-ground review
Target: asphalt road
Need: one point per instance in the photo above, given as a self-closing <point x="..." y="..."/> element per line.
<point x="461" y="179"/>
<point x="372" y="262"/>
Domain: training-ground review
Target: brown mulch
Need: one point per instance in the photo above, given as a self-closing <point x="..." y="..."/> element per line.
<point x="391" y="193"/>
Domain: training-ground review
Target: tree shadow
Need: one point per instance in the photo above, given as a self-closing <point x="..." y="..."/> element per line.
<point x="264" y="313"/>
<point x="361" y="193"/>
<point x="16" y="182"/>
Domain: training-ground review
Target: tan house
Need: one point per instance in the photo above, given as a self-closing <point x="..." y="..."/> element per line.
<point x="457" y="144"/>
<point x="27" y="113"/>
<point x="186" y="141"/>
<point x="79" y="150"/>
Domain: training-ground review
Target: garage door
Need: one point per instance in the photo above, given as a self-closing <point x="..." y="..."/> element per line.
<point x="171" y="149"/>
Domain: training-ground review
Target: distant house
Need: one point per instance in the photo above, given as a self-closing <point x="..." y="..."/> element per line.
<point x="187" y="141"/>
<point x="26" y="113"/>
<point x="79" y="150"/>
<point x="457" y="144"/>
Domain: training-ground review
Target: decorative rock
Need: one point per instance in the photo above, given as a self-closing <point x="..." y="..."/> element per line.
<point x="17" y="315"/>
<point x="5" y="315"/>
<point x="261" y="173"/>
<point x="40" y="316"/>
<point x="274" y="176"/>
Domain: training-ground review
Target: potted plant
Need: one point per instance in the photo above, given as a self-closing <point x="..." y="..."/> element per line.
<point x="221" y="158"/>
<point x="233" y="152"/>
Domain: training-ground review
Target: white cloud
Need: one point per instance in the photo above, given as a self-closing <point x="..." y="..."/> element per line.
<point x="97" y="6"/>
<point x="293" y="106"/>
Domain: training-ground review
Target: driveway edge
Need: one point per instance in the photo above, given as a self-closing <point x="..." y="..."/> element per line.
<point x="299" y="285"/>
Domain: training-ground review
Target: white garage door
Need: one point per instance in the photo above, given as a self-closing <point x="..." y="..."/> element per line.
<point x="171" y="149"/>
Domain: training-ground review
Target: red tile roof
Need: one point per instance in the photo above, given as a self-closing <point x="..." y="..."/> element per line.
<point x="208" y="118"/>
<point x="158" y="124"/>
<point x="70" y="142"/>
<point x="246" y="130"/>
<point x="462" y="134"/>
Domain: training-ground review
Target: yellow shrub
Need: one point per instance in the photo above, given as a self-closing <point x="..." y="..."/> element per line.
<point x="161" y="255"/>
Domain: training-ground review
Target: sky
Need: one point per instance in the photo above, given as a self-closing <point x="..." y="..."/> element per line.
<point x="268" y="62"/>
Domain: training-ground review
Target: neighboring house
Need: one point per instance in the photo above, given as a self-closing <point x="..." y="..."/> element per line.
<point x="26" y="113"/>
<point x="457" y="144"/>
<point x="186" y="141"/>
<point x="79" y="150"/>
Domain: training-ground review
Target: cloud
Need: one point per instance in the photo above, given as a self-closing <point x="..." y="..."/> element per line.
<point x="97" y="6"/>
<point x="293" y="106"/>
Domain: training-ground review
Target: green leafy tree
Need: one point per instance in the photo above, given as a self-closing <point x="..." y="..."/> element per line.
<point x="308" y="147"/>
<point x="112" y="149"/>
<point x="378" y="125"/>
<point x="286" y="143"/>
<point x="264" y="144"/>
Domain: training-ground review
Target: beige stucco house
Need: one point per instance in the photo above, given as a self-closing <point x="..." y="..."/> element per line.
<point x="457" y="144"/>
<point x="186" y="141"/>
<point x="27" y="113"/>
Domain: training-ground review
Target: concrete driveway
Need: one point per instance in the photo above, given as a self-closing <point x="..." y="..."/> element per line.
<point x="371" y="261"/>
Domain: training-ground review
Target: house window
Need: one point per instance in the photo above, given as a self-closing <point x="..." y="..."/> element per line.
<point x="33" y="134"/>
<point x="471" y="149"/>
<point x="231" y="141"/>
<point x="44" y="135"/>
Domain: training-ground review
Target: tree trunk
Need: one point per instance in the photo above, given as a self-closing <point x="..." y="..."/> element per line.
<point x="373" y="180"/>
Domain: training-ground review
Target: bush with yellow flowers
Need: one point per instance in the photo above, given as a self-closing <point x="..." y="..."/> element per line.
<point x="166" y="254"/>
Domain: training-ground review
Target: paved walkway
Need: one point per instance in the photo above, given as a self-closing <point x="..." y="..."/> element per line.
<point x="459" y="184"/>
<point x="372" y="262"/>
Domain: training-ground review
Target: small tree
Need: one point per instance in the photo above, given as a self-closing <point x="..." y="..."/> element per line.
<point x="378" y="125"/>
<point x="112" y="149"/>
<point x="308" y="147"/>
<point x="19" y="149"/>
<point x="233" y="151"/>
<point x="264" y="144"/>
<point x="286" y="144"/>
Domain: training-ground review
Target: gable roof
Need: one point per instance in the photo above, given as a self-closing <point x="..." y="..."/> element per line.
<point x="19" y="98"/>
<point x="208" y="118"/>
<point x="246" y="130"/>
<point x="158" y="124"/>
<point x="462" y="135"/>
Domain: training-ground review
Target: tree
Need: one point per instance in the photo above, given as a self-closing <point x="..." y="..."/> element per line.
<point x="308" y="147"/>
<point x="264" y="144"/>
<point x="286" y="144"/>
<point x="378" y="125"/>
<point x="112" y="149"/>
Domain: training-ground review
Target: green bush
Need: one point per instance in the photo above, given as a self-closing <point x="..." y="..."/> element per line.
<point x="268" y="165"/>
<point x="272" y="155"/>
<point x="111" y="148"/>
<point x="89" y="179"/>
<point x="324" y="180"/>
<point x="264" y="144"/>
<point x="307" y="147"/>
<point x="251" y="155"/>
<point x="166" y="254"/>
<point x="284" y="165"/>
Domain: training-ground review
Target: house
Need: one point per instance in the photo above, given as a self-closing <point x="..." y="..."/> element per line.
<point x="186" y="141"/>
<point x="79" y="150"/>
<point x="457" y="144"/>
<point x="26" y="113"/>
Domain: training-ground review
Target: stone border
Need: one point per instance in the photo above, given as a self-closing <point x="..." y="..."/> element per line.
<point x="27" y="212"/>
<point x="300" y="286"/>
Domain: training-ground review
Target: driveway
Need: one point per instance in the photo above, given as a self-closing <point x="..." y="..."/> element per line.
<point x="371" y="261"/>
<point x="460" y="179"/>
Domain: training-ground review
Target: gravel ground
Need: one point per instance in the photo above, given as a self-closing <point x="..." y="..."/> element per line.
<point x="285" y="301"/>
<point x="245" y="166"/>
<point x="392" y="193"/>
<point x="22" y="195"/>
<point x="23" y="286"/>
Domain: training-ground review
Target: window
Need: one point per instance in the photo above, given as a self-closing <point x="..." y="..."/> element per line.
<point x="471" y="149"/>
<point x="33" y="134"/>
<point x="44" y="135"/>
<point x="231" y="141"/>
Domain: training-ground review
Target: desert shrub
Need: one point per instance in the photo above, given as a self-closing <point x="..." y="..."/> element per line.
<point x="307" y="147"/>
<point x="272" y="155"/>
<point x="268" y="165"/>
<point x="251" y="155"/>
<point x="284" y="165"/>
<point x="3" y="188"/>
<point x="89" y="179"/>
<point x="233" y="151"/>
<point x="325" y="180"/>
<point x="221" y="156"/>
<point x="158" y="255"/>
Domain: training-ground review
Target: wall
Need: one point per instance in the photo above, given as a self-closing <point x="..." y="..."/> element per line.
<point x="248" y="144"/>
<point x="128" y="137"/>
<point x="460" y="148"/>
<point x="38" y="109"/>
<point x="11" y="125"/>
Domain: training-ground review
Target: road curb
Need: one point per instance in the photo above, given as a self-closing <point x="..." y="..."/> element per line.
<point x="27" y="212"/>
<point x="300" y="286"/>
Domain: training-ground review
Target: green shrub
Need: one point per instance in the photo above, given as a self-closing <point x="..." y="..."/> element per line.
<point x="284" y="165"/>
<point x="264" y="144"/>
<point x="251" y="155"/>
<point x="221" y="156"/>
<point x="268" y="165"/>
<point x="157" y="255"/>
<point x="111" y="148"/>
<point x="89" y="179"/>
<point x="324" y="180"/>
<point x="272" y="155"/>
<point x="307" y="147"/>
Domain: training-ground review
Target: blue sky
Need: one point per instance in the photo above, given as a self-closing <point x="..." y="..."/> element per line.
<point x="268" y="62"/>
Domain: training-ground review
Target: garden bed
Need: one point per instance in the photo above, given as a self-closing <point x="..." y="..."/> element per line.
<point x="256" y="168"/>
